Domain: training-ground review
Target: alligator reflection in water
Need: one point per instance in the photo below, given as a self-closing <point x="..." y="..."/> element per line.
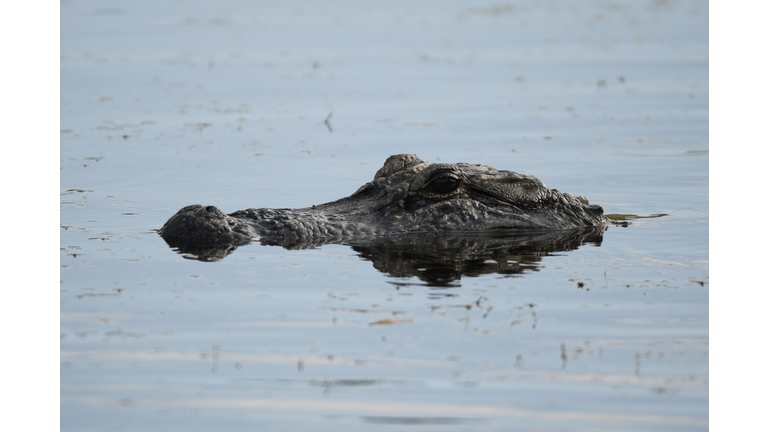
<point x="441" y="259"/>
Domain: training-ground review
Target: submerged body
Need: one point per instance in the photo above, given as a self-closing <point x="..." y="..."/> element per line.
<point x="407" y="195"/>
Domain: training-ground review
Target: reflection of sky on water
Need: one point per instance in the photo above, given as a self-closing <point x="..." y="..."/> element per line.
<point x="171" y="103"/>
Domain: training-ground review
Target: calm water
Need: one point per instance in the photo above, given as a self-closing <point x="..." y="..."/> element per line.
<point x="165" y="104"/>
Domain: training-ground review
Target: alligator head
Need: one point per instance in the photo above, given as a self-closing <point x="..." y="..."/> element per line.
<point x="407" y="195"/>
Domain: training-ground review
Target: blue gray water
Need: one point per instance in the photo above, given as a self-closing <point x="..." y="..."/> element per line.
<point x="165" y="104"/>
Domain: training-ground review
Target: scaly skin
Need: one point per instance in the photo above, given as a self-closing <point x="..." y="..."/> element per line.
<point x="407" y="195"/>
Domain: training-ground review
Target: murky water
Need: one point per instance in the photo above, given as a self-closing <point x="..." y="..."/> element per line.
<point x="165" y="104"/>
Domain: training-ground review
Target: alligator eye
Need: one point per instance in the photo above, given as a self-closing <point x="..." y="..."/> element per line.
<point x="445" y="183"/>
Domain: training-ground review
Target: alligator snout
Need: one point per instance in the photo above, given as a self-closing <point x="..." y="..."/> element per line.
<point x="197" y="223"/>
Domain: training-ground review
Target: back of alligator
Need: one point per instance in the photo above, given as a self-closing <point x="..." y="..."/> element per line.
<point x="407" y="195"/>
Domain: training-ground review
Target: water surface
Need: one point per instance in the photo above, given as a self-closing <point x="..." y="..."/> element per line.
<point x="166" y="104"/>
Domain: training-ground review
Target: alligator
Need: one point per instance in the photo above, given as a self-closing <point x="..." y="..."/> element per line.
<point x="406" y="196"/>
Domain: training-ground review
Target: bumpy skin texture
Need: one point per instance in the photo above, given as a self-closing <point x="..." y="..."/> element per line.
<point x="407" y="195"/>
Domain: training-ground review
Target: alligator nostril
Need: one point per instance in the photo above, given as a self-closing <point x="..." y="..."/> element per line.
<point x="210" y="209"/>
